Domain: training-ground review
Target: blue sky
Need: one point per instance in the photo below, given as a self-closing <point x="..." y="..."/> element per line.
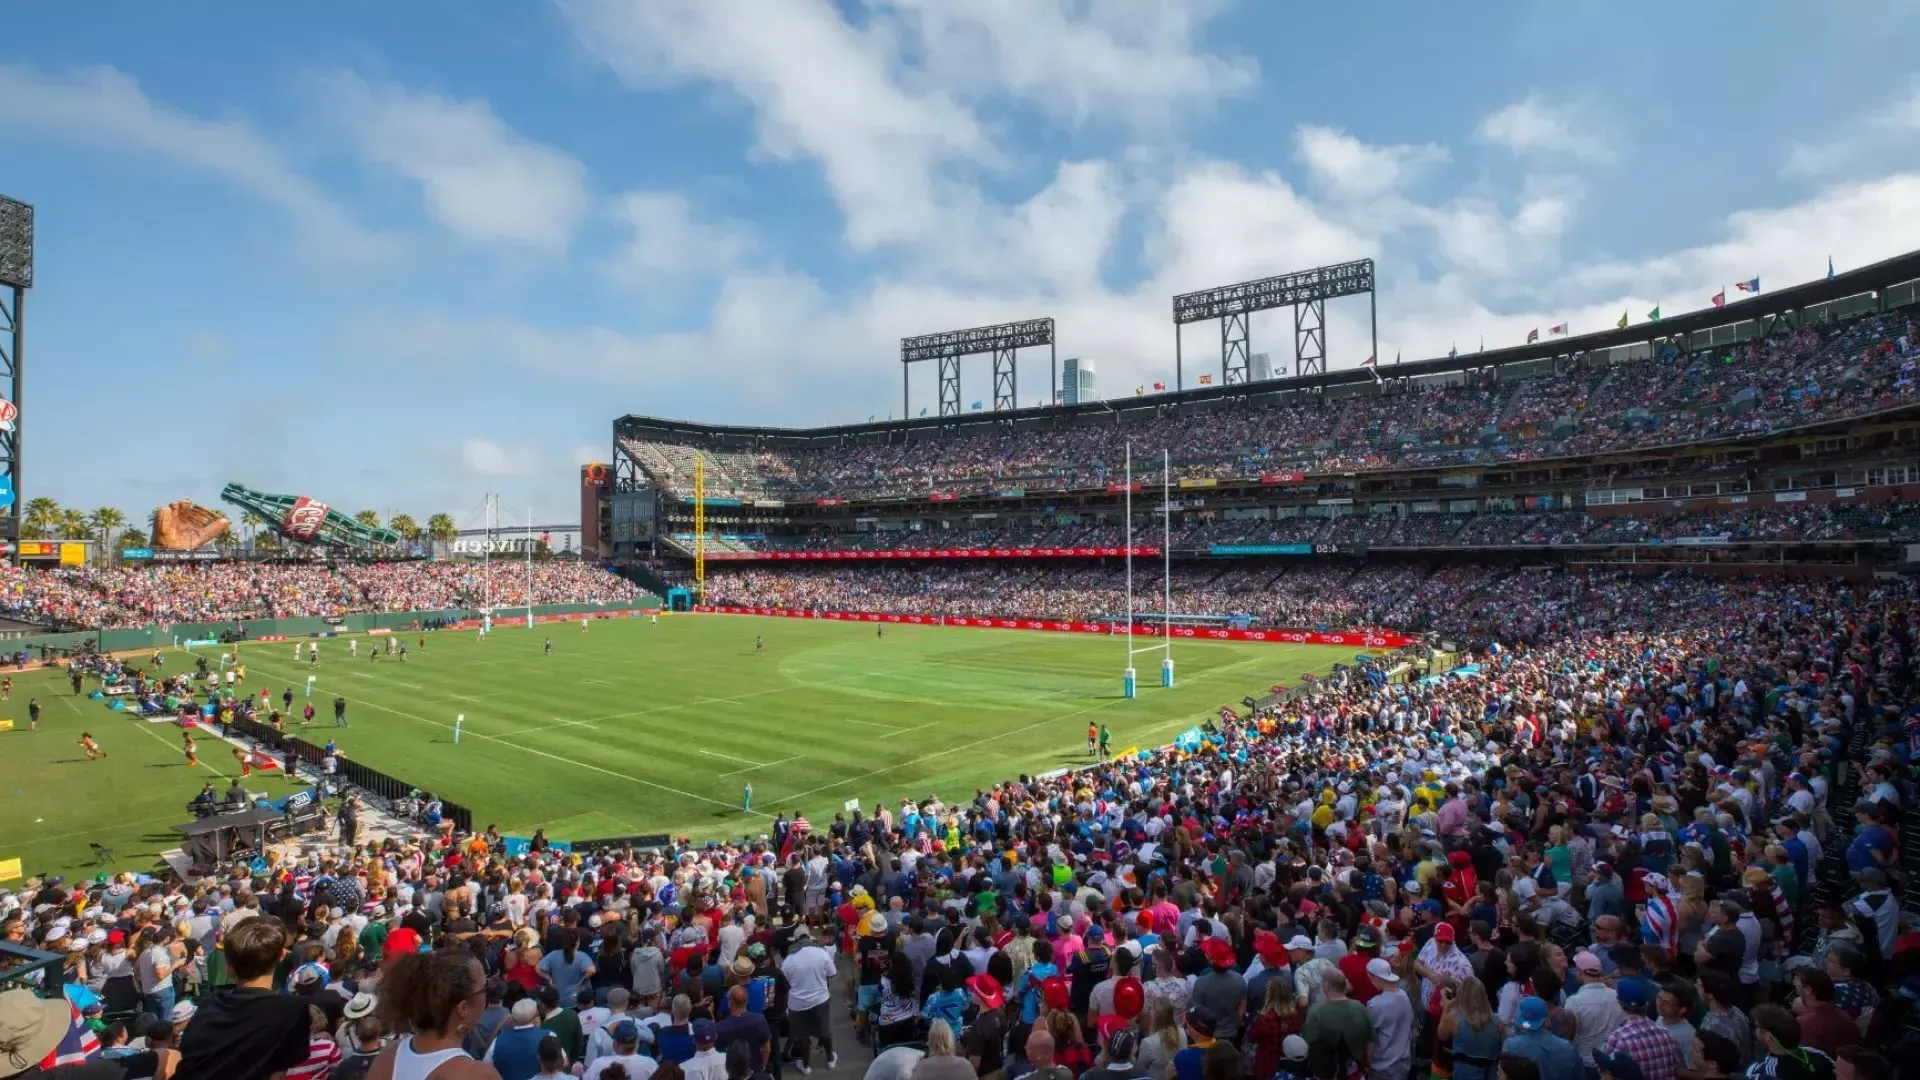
<point x="399" y="255"/>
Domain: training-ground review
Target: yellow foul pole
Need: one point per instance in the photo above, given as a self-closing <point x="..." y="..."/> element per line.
<point x="699" y="529"/>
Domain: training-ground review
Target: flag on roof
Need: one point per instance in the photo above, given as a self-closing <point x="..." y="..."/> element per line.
<point x="976" y="406"/>
<point x="1654" y="315"/>
<point x="1720" y="298"/>
<point x="1368" y="362"/>
<point x="1159" y="386"/>
<point x="1139" y="391"/>
<point x="1452" y="351"/>
<point x="1533" y="335"/>
<point x="1829" y="268"/>
<point x="1622" y="324"/>
<point x="1206" y="380"/>
<point x="1753" y="284"/>
<point x="1558" y="331"/>
<point x="923" y="410"/>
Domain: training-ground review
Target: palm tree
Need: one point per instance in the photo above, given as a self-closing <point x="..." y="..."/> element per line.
<point x="73" y="523"/>
<point x="42" y="519"/>
<point x="132" y="538"/>
<point x="105" y="522"/>
<point x="369" y="518"/>
<point x="441" y="528"/>
<point x="404" y="524"/>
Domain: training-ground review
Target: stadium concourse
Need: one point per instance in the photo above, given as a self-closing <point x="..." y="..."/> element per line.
<point x="1657" y="835"/>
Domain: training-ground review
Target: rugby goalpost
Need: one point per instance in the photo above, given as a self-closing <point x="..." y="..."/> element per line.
<point x="1129" y="683"/>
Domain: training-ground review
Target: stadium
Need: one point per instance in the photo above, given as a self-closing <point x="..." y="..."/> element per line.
<point x="1545" y="712"/>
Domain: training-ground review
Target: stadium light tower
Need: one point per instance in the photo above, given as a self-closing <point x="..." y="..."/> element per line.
<point x="16" y="277"/>
<point x="1003" y="341"/>
<point x="1305" y="291"/>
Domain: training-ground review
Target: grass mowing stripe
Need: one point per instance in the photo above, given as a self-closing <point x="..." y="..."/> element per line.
<point x="826" y="701"/>
<point x="555" y="757"/>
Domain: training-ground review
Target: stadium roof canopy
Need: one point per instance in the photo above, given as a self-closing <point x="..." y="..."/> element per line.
<point x="1688" y="330"/>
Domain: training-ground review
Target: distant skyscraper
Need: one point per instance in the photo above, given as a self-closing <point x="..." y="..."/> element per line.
<point x="1260" y="367"/>
<point x="1076" y="382"/>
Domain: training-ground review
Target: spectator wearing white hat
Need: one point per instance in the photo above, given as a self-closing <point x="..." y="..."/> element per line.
<point x="1392" y="1014"/>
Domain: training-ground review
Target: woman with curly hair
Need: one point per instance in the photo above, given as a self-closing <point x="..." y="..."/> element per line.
<point x="432" y="999"/>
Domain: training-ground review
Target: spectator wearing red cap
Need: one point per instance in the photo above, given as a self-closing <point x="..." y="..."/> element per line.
<point x="1221" y="990"/>
<point x="988" y="1031"/>
<point x="399" y="943"/>
<point x="1441" y="966"/>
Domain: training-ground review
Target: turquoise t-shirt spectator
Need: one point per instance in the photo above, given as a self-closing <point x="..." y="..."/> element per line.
<point x="1030" y="997"/>
<point x="566" y="975"/>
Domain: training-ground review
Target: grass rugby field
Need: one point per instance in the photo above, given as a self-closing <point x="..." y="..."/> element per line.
<point x="637" y="727"/>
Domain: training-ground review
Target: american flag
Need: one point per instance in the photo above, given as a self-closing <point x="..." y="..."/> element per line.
<point x="78" y="1046"/>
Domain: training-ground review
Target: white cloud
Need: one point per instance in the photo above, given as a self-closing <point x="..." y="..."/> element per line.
<point x="1855" y="223"/>
<point x="1887" y="134"/>
<point x="1350" y="169"/>
<point x="479" y="178"/>
<point x="664" y="243"/>
<point x="1538" y="126"/>
<point x="1220" y="224"/>
<point x="820" y="89"/>
<point x="102" y="107"/>
<point x="1135" y="61"/>
<point x="484" y="457"/>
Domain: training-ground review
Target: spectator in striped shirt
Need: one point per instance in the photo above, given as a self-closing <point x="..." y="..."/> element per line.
<point x="322" y="1052"/>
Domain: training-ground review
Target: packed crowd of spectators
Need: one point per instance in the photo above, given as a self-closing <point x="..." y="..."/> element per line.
<point x="1854" y="368"/>
<point x="1802" y="521"/>
<point x="93" y="597"/>
<point x="1313" y="596"/>
<point x="1662" y="840"/>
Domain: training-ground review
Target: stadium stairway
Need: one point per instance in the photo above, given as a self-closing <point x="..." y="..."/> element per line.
<point x="649" y="579"/>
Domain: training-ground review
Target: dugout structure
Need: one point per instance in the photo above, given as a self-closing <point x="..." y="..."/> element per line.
<point x="1305" y="291"/>
<point x="1003" y="341"/>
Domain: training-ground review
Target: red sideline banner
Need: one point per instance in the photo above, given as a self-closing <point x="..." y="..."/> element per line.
<point x="1362" y="639"/>
<point x="942" y="496"/>
<point x="1282" y="477"/>
<point x="933" y="553"/>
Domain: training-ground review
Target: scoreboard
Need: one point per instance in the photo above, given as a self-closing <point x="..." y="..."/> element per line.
<point x="66" y="552"/>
